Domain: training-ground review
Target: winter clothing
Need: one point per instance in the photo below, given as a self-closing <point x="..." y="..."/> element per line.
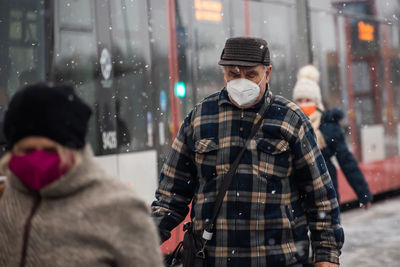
<point x="37" y="168"/>
<point x="245" y="51"/>
<point x="49" y="111"/>
<point x="315" y="120"/>
<point x="2" y="186"/>
<point x="83" y="219"/>
<point x="3" y="141"/>
<point x="305" y="88"/>
<point x="309" y="72"/>
<point x="336" y="146"/>
<point x="275" y="196"/>
<point x="307" y="85"/>
<point x="330" y="137"/>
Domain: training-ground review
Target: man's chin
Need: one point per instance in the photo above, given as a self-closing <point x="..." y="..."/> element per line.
<point x="246" y="105"/>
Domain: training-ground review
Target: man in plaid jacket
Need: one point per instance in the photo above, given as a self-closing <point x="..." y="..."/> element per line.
<point x="281" y="189"/>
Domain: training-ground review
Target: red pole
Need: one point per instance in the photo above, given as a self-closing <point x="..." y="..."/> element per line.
<point x="246" y="17"/>
<point x="177" y="233"/>
<point x="173" y="67"/>
<point x="350" y="92"/>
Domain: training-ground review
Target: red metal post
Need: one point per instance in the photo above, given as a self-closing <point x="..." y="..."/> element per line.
<point x="173" y="66"/>
<point x="246" y="17"/>
<point x="177" y="233"/>
<point x="350" y="92"/>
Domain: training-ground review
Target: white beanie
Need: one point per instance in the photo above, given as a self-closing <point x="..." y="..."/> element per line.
<point x="310" y="72"/>
<point x="307" y="84"/>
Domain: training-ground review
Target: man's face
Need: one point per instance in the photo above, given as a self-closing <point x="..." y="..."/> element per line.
<point x="254" y="74"/>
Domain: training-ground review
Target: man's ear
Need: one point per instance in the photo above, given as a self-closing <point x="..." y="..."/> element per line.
<point x="268" y="73"/>
<point x="224" y="75"/>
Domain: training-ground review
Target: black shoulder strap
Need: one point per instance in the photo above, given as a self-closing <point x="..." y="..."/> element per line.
<point x="228" y="177"/>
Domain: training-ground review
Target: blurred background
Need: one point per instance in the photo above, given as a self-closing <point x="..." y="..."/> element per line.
<point x="143" y="64"/>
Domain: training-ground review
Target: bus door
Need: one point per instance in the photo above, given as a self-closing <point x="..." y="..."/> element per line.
<point x="82" y="56"/>
<point x="104" y="79"/>
<point x="364" y="95"/>
<point x="22" y="45"/>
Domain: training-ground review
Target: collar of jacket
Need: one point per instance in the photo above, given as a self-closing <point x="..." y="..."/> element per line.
<point x="224" y="98"/>
<point x="77" y="178"/>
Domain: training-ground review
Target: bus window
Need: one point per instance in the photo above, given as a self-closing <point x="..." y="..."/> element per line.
<point x="22" y="45"/>
<point x="76" y="13"/>
<point x="131" y="53"/>
<point x="75" y="54"/>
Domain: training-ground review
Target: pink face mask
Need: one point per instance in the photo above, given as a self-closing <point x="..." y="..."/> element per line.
<point x="37" y="169"/>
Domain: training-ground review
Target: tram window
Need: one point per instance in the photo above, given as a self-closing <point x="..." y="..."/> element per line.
<point x="283" y="58"/>
<point x="75" y="13"/>
<point x="75" y="53"/>
<point x="74" y="62"/>
<point x="21" y="45"/>
<point x="361" y="77"/>
<point x="209" y="34"/>
<point x="326" y="54"/>
<point x="365" y="111"/>
<point x="395" y="40"/>
<point x="131" y="53"/>
<point x="160" y="75"/>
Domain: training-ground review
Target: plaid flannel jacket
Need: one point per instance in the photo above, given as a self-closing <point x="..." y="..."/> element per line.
<point x="281" y="188"/>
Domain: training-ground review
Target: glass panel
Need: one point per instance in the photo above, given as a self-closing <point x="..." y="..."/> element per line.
<point x="388" y="85"/>
<point x="394" y="79"/>
<point x="22" y="45"/>
<point x="209" y="40"/>
<point x="327" y="57"/>
<point x="324" y="4"/>
<point x="282" y="48"/>
<point x="131" y="69"/>
<point x="361" y="77"/>
<point x="160" y="76"/>
<point x="388" y="9"/>
<point x="75" y="59"/>
<point x="206" y="32"/>
<point x="75" y="13"/>
<point x="365" y="111"/>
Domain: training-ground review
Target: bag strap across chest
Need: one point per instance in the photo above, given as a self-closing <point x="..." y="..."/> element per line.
<point x="208" y="231"/>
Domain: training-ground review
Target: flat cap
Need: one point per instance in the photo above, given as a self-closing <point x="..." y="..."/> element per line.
<point x="245" y="51"/>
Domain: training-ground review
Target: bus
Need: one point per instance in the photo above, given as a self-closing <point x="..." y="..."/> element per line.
<point x="143" y="64"/>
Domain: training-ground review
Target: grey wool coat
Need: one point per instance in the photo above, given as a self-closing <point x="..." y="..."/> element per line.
<point x="83" y="219"/>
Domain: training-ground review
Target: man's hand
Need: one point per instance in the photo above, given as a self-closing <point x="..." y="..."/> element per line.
<point x="326" y="264"/>
<point x="366" y="205"/>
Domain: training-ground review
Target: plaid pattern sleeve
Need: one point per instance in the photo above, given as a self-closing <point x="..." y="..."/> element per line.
<point x="320" y="200"/>
<point x="176" y="184"/>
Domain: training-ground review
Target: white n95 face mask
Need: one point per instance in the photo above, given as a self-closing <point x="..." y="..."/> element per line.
<point x="243" y="91"/>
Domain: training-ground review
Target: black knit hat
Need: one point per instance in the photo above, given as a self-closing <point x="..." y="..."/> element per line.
<point x="245" y="51"/>
<point x="55" y="112"/>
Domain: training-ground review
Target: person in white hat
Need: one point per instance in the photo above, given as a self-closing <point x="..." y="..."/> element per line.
<point x="330" y="136"/>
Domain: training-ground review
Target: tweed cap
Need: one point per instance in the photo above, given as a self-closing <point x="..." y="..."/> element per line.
<point x="245" y="51"/>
